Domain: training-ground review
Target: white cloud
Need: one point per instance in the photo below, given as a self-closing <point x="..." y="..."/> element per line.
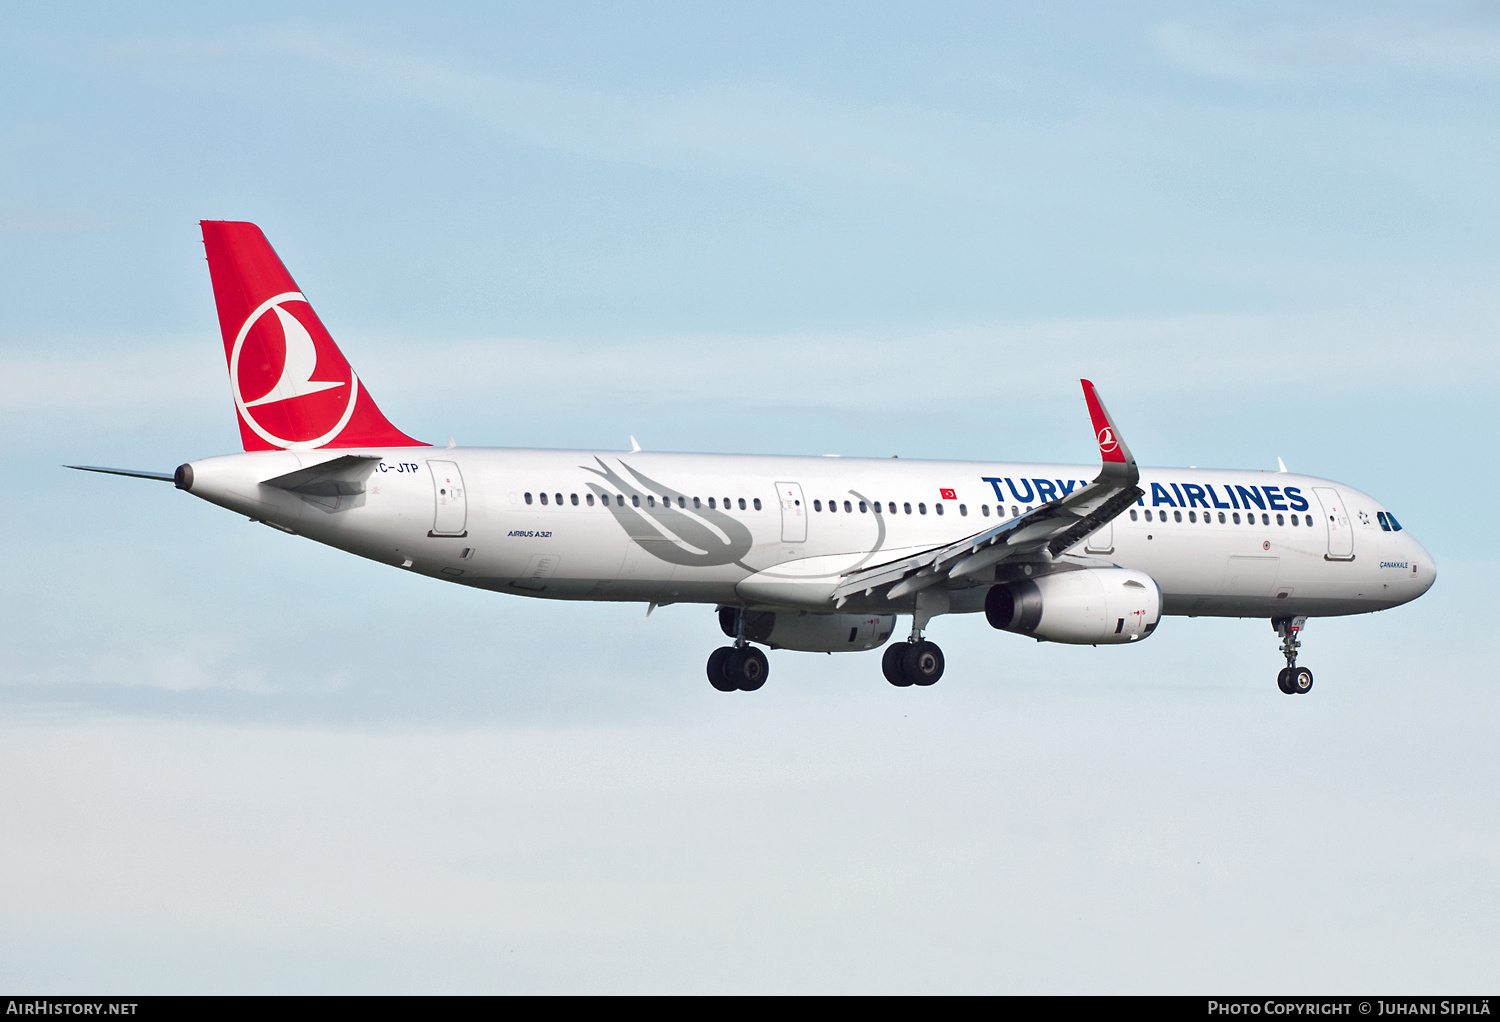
<point x="754" y="127"/>
<point x="24" y="219"/>
<point x="101" y="374"/>
<point x="1273" y="48"/>
<point x="836" y="370"/>
<point x="1038" y="829"/>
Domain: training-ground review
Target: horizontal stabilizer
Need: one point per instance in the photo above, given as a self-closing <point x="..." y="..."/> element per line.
<point x="165" y="477"/>
<point x="341" y="477"/>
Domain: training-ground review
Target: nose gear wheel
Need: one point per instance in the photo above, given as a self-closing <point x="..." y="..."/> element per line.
<point x="1292" y="680"/>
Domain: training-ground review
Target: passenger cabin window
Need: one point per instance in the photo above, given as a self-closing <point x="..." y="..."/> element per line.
<point x="696" y="504"/>
<point x="863" y="509"/>
<point x="635" y="500"/>
<point x="650" y="500"/>
<point x="984" y="509"/>
<point x="573" y="497"/>
<point x="938" y="507"/>
<point x="921" y="509"/>
<point x="892" y="508"/>
<point x="907" y="507"/>
<point x="1265" y="519"/>
<point x="848" y="508"/>
<point x="1236" y="517"/>
<point x="1148" y="514"/>
<point x="756" y="502"/>
<point x="1192" y="517"/>
<point x="963" y="512"/>
<point x="528" y="498"/>
<point x="1133" y="516"/>
<point x="711" y="505"/>
<point x="544" y="498"/>
<point x="817" y="505"/>
<point x="1221" y="518"/>
<point x="588" y="499"/>
<point x="1280" y="520"/>
<point x="742" y="503"/>
<point x="1176" y="516"/>
<point x="620" y="500"/>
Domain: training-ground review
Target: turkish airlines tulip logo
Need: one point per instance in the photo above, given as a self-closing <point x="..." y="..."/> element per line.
<point x="1107" y="442"/>
<point x="291" y="384"/>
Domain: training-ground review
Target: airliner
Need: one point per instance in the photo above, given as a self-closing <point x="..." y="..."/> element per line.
<point x="794" y="553"/>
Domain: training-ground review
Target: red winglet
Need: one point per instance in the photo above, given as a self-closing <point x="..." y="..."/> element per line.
<point x="293" y="389"/>
<point x="1111" y="447"/>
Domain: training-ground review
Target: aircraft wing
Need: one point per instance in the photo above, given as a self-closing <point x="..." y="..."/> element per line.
<point x="1055" y="526"/>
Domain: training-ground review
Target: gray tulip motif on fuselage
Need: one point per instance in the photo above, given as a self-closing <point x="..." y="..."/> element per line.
<point x="701" y="537"/>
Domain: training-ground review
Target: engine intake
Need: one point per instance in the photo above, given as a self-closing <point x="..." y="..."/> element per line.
<point x="1091" y="606"/>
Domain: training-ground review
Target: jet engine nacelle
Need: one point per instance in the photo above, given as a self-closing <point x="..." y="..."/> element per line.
<point x="809" y="632"/>
<point x="1086" y="607"/>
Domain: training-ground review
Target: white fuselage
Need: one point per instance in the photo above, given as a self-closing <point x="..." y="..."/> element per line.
<point x="758" y="531"/>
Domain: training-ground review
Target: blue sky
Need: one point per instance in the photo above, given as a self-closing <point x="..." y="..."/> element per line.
<point x="233" y="760"/>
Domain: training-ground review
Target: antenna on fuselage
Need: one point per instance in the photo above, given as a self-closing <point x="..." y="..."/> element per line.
<point x="635" y="448"/>
<point x="1281" y="466"/>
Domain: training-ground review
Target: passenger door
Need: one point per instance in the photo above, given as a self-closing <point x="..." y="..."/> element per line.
<point x="451" y="512"/>
<point x="1336" y="519"/>
<point x="793" y="512"/>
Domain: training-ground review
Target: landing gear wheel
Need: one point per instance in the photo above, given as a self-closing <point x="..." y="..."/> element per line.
<point x="890" y="663"/>
<point x="1284" y="681"/>
<point x="1301" y="680"/>
<point x="747" y="668"/>
<point x="717" y="676"/>
<point x="922" y="662"/>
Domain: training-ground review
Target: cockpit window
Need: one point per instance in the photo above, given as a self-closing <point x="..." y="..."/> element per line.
<point x="1395" y="525"/>
<point x="1380" y="517"/>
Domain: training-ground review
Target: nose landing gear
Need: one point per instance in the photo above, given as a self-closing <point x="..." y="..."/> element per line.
<point x="1292" y="680"/>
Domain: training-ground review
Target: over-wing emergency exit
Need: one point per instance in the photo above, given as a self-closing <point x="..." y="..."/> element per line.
<point x="795" y="553"/>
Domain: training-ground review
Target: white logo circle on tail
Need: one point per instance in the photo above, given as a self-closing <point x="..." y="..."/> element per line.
<point x="295" y="382"/>
<point x="1107" y="441"/>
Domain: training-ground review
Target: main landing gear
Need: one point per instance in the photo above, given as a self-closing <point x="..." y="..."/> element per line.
<point x="1292" y="680"/>
<point x="915" y="661"/>
<point x="737" y="668"/>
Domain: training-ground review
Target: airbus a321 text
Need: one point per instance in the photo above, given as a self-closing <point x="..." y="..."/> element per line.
<point x="798" y="553"/>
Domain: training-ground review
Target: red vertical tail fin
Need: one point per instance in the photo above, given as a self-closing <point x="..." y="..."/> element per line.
<point x="293" y="388"/>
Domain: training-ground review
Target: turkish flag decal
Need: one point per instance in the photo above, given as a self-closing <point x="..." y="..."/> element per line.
<point x="948" y="494"/>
